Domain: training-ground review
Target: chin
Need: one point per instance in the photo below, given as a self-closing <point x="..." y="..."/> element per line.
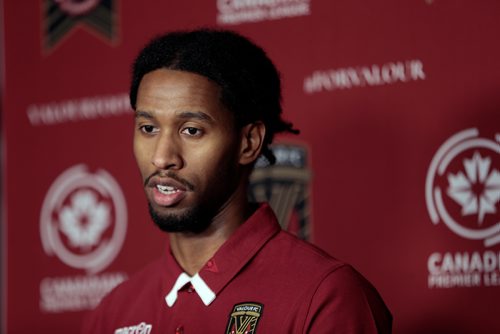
<point x="192" y="220"/>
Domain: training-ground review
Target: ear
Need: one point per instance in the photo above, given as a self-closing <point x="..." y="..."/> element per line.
<point x="252" y="139"/>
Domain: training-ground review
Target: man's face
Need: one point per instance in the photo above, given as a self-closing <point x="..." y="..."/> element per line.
<point x="186" y="146"/>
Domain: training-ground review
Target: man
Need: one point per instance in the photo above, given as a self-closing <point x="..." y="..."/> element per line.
<point x="207" y="104"/>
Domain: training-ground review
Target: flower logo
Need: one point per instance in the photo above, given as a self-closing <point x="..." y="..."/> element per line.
<point x="84" y="219"/>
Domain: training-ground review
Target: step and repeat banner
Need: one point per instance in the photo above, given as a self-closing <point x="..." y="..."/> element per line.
<point x="396" y="169"/>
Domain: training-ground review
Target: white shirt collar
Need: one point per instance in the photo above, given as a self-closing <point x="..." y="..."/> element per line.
<point x="206" y="294"/>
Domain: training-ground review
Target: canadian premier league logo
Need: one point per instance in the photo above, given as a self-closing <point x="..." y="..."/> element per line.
<point x="463" y="186"/>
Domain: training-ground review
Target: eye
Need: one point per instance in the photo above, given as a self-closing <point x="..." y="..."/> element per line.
<point x="148" y="129"/>
<point x="191" y="131"/>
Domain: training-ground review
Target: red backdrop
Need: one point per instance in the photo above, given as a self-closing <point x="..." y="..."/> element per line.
<point x="399" y="110"/>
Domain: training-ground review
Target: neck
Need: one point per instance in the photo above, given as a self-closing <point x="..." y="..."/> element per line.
<point x="193" y="250"/>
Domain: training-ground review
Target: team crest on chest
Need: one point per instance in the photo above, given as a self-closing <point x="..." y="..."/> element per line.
<point x="244" y="318"/>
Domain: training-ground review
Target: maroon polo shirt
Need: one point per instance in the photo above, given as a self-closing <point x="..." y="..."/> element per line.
<point x="264" y="280"/>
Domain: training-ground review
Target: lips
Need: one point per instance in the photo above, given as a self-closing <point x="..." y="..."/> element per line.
<point x="169" y="198"/>
<point x="166" y="191"/>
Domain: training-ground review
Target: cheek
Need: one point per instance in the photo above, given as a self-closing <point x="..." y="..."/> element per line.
<point x="137" y="152"/>
<point x="217" y="153"/>
<point x="141" y="156"/>
<point x="216" y="161"/>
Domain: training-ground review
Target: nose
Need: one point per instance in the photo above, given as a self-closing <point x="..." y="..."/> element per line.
<point x="167" y="153"/>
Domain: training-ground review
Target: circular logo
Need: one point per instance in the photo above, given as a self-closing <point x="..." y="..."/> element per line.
<point x="84" y="219"/>
<point x="462" y="188"/>
<point x="77" y="7"/>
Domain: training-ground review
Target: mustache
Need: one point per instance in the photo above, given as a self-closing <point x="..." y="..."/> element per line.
<point x="171" y="175"/>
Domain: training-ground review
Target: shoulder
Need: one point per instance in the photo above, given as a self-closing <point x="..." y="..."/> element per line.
<point x="323" y="270"/>
<point x="345" y="301"/>
<point x="119" y="304"/>
<point x="290" y="250"/>
<point x="307" y="266"/>
<point x="338" y="297"/>
<point x="141" y="282"/>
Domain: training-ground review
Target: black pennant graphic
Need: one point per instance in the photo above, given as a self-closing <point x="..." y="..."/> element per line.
<point x="61" y="16"/>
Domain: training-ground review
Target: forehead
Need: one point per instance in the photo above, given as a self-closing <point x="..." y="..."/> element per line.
<point x="165" y="90"/>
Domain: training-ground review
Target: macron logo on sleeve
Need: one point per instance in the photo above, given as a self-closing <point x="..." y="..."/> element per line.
<point x="142" y="328"/>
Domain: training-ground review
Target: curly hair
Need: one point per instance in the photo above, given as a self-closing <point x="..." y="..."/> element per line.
<point x="250" y="83"/>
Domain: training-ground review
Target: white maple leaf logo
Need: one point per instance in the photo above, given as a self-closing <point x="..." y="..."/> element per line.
<point x="478" y="190"/>
<point x="85" y="219"/>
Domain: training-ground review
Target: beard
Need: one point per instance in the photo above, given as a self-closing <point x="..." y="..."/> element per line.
<point x="194" y="220"/>
<point x="199" y="217"/>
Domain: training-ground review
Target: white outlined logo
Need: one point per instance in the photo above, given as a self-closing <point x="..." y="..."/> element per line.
<point x="463" y="186"/>
<point x="84" y="219"/>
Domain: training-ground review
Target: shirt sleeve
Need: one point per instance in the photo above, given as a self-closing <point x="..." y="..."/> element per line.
<point x="346" y="303"/>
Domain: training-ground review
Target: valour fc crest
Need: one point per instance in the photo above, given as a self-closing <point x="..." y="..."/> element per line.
<point x="244" y="318"/>
<point x="61" y="16"/>
<point x="286" y="186"/>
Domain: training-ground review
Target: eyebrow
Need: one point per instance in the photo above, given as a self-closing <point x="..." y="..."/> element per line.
<point x="196" y="115"/>
<point x="143" y="114"/>
<point x="183" y="114"/>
